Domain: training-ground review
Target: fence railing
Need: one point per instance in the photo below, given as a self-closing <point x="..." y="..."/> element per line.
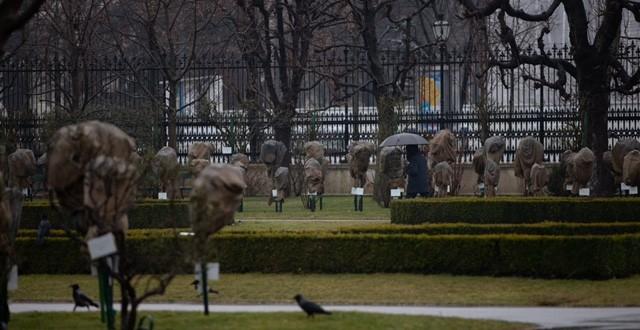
<point x="37" y="96"/>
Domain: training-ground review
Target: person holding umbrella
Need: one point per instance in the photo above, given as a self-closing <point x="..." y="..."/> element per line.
<point x="417" y="173"/>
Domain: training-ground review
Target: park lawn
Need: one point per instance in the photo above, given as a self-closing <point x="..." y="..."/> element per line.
<point x="251" y="225"/>
<point x="366" y="289"/>
<point x="334" y="208"/>
<point x="166" y="320"/>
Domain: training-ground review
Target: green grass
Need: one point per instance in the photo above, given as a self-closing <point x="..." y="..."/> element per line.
<point x="392" y="289"/>
<point x="335" y="208"/>
<point x="68" y="321"/>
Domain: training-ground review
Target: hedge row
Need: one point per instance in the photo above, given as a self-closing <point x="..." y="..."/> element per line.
<point x="147" y="214"/>
<point x="596" y="257"/>
<point x="515" y="210"/>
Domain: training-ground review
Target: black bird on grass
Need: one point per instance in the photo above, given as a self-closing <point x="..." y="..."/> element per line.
<point x="196" y="284"/>
<point x="80" y="299"/>
<point x="309" y="307"/>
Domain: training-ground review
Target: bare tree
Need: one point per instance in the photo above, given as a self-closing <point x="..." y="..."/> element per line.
<point x="279" y="38"/>
<point x="595" y="64"/>
<point x="169" y="35"/>
<point x="14" y="14"/>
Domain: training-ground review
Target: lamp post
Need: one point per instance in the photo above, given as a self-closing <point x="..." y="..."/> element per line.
<point x="441" y="33"/>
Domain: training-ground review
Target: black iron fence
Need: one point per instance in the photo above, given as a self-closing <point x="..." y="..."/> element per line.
<point x="227" y="101"/>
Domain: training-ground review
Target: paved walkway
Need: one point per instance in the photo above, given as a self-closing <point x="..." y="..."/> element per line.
<point x="544" y="317"/>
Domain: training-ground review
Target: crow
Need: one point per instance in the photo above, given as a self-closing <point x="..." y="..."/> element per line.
<point x="80" y="299"/>
<point x="196" y="285"/>
<point x="309" y="307"/>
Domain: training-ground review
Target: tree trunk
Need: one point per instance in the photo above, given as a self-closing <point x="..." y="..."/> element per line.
<point x="594" y="107"/>
<point x="282" y="129"/>
<point x="172" y="113"/>
<point x="387" y="119"/>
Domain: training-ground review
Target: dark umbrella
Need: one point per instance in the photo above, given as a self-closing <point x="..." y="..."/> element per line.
<point x="403" y="139"/>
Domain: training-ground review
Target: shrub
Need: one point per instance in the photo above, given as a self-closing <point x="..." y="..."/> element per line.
<point x="595" y="257"/>
<point x="515" y="210"/>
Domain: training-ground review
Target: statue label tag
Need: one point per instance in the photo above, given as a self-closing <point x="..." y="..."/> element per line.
<point x="102" y="246"/>
<point x="396" y="193"/>
<point x="25" y="192"/>
<point x="162" y="195"/>
<point x="12" y="283"/>
<point x="633" y="190"/>
<point x="186" y="233"/>
<point x="569" y="187"/>
<point x="213" y="271"/>
<point x="584" y="192"/>
<point x="357" y="191"/>
<point x="623" y="186"/>
<point x="274" y="193"/>
<point x="480" y="185"/>
<point x="227" y="151"/>
<point x="448" y="188"/>
<point x="312" y="194"/>
<point x="401" y="190"/>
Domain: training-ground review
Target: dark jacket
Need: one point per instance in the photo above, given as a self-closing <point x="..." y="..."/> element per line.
<point x="418" y="176"/>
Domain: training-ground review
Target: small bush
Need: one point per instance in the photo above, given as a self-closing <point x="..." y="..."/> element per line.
<point x="595" y="257"/>
<point x="515" y="210"/>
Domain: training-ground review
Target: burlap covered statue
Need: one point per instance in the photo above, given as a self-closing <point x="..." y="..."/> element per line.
<point x="530" y="151"/>
<point x="491" y="177"/>
<point x="199" y="156"/>
<point x="494" y="148"/>
<point x="272" y="154"/>
<point x="442" y="148"/>
<point x="22" y="166"/>
<point x="359" y="155"/>
<point x="5" y="220"/>
<point x="392" y="172"/>
<point x="315" y="167"/>
<point x="216" y="195"/>
<point x="579" y="168"/>
<point x="621" y="149"/>
<point x="90" y="170"/>
<point x="165" y="167"/>
<point x="281" y="184"/>
<point x="442" y="178"/>
<point x="631" y="168"/>
<point x="241" y="161"/>
<point x="478" y="163"/>
<point x="539" y="180"/>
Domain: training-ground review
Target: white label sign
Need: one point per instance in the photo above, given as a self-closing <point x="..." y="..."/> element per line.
<point x="12" y="284"/>
<point x="313" y="194"/>
<point x="623" y="186"/>
<point x="396" y="193"/>
<point x="162" y="195"/>
<point x="584" y="192"/>
<point x="186" y="233"/>
<point x="102" y="246"/>
<point x="227" y="151"/>
<point x="448" y="188"/>
<point x="358" y="191"/>
<point x="569" y="187"/>
<point x="274" y="193"/>
<point x="213" y="271"/>
<point x="633" y="190"/>
<point x="25" y="192"/>
<point x="480" y="186"/>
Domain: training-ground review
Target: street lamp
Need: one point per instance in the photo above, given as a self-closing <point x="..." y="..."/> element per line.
<point x="441" y="32"/>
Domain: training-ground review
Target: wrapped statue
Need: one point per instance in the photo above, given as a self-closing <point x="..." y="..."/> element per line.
<point x="281" y="184"/>
<point x="315" y="167"/>
<point x="491" y="177"/>
<point x="442" y="178"/>
<point x="494" y="148"/>
<point x="621" y="149"/>
<point x="198" y="156"/>
<point x="442" y="148"/>
<point x="22" y="166"/>
<point x="579" y="168"/>
<point x="217" y="194"/>
<point x="359" y="155"/>
<point x="478" y="163"/>
<point x="392" y="172"/>
<point x="5" y="221"/>
<point x="83" y="160"/>
<point x="539" y="180"/>
<point x="530" y="151"/>
<point x="165" y="167"/>
<point x="631" y="168"/>
<point x="272" y="154"/>
<point x="241" y="161"/>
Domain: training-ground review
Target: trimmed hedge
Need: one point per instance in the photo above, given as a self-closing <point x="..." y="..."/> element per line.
<point x="596" y="257"/>
<point x="145" y="214"/>
<point x="515" y="210"/>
